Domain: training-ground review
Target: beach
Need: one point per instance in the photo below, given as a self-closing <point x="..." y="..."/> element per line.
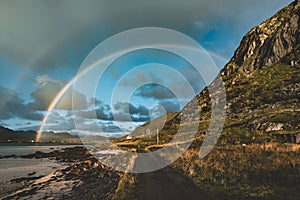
<point x="54" y="172"/>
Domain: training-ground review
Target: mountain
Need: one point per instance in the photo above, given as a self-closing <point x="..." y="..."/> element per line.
<point x="254" y="157"/>
<point x="8" y="135"/>
<point x="262" y="83"/>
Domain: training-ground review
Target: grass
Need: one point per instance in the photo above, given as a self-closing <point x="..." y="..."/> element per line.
<point x="250" y="172"/>
<point x="128" y="188"/>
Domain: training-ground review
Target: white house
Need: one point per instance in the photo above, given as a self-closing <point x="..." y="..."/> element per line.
<point x="129" y="137"/>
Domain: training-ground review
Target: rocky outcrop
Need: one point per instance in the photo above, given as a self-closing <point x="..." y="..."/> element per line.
<point x="268" y="43"/>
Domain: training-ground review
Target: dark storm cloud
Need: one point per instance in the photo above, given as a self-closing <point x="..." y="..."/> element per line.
<point x="154" y="91"/>
<point x="60" y="33"/>
<point x="11" y="105"/>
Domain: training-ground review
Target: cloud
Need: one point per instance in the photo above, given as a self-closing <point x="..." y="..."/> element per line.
<point x="125" y="107"/>
<point x="48" y="88"/>
<point x="121" y="112"/>
<point x="154" y="91"/>
<point x="127" y="112"/>
<point x="60" y="33"/>
<point x="125" y="117"/>
<point x="11" y="106"/>
<point x="102" y="111"/>
<point x="141" y="75"/>
<point x="110" y="128"/>
<point x="60" y="121"/>
<point x="141" y="113"/>
<point x="63" y="121"/>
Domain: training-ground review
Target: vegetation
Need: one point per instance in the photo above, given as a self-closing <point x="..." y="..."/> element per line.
<point x="248" y="161"/>
<point x="128" y="188"/>
<point x="251" y="172"/>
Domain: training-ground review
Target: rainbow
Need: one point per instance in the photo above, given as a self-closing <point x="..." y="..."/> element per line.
<point x="62" y="92"/>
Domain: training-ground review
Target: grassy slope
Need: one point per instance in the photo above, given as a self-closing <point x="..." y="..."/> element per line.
<point x="270" y="171"/>
<point x="255" y="100"/>
<point x="140" y="135"/>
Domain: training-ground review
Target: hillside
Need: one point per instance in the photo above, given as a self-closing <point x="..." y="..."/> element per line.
<point x="262" y="83"/>
<point x="254" y="157"/>
<point x="146" y="134"/>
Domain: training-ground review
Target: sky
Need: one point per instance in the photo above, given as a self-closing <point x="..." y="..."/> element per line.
<point x="44" y="43"/>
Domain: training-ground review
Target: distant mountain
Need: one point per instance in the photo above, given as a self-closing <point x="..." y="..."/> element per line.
<point x="8" y="135"/>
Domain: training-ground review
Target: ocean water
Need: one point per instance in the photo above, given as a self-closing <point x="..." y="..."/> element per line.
<point x="24" y="149"/>
<point x="11" y="168"/>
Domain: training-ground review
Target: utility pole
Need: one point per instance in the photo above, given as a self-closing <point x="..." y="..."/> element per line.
<point x="157" y="137"/>
<point x="148" y="133"/>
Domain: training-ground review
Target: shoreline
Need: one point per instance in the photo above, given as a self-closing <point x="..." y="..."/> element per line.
<point x="72" y="174"/>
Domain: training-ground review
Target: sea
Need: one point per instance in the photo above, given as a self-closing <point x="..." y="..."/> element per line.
<point x="16" y="167"/>
<point x="29" y="148"/>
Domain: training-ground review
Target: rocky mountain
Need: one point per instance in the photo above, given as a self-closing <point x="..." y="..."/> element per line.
<point x="269" y="43"/>
<point x="262" y="83"/>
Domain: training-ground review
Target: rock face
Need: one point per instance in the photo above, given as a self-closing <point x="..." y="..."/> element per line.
<point x="268" y="43"/>
<point x="262" y="82"/>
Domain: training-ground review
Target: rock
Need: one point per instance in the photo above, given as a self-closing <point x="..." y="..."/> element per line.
<point x="31" y="174"/>
<point x="275" y="127"/>
<point x="268" y="43"/>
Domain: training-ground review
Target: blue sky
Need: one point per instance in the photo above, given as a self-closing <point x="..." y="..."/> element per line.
<point x="43" y="43"/>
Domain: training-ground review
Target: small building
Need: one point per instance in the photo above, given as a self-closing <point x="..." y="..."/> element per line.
<point x="129" y="137"/>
